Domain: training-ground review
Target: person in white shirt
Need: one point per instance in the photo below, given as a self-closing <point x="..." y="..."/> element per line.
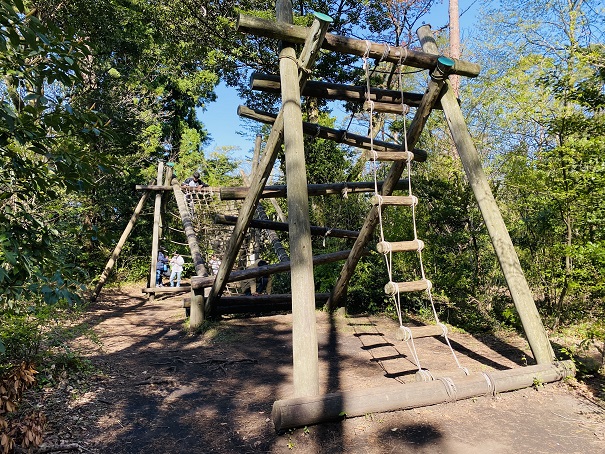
<point x="176" y="268"/>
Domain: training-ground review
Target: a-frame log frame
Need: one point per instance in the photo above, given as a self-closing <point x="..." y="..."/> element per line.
<point x="505" y="251"/>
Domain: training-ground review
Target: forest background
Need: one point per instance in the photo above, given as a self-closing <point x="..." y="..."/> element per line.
<point x="94" y="93"/>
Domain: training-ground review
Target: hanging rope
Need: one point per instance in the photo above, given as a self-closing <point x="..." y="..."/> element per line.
<point x="408" y="337"/>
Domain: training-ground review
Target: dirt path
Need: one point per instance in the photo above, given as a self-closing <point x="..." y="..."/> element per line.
<point x="163" y="391"/>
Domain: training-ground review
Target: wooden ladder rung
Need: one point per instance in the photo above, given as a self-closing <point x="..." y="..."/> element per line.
<point x="395" y="200"/>
<point x="392" y="288"/>
<point x="416" y="332"/>
<point x="389" y="155"/>
<point x="384" y="247"/>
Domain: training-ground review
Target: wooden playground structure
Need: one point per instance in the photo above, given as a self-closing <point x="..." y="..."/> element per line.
<point x="208" y="298"/>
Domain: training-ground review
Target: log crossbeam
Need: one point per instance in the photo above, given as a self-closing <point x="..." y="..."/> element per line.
<point x="297" y="34"/>
<point x="336" y="135"/>
<point x="279" y="191"/>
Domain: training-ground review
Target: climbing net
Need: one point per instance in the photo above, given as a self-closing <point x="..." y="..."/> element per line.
<point x="388" y="253"/>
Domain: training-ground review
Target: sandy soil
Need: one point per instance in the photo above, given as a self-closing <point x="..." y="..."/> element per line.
<point x="161" y="390"/>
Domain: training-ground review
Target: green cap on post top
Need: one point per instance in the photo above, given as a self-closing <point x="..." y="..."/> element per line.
<point x="323" y="17"/>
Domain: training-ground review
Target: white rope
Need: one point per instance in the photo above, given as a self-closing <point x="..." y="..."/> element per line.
<point x="388" y="255"/>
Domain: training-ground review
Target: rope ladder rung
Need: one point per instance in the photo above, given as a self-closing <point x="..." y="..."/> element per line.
<point x="393" y="288"/>
<point x="394" y="200"/>
<point x="384" y="247"/>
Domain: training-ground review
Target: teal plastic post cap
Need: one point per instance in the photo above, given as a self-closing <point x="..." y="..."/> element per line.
<point x="445" y="61"/>
<point x="323" y="17"/>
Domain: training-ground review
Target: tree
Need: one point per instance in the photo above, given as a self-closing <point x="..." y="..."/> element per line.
<point x="43" y="152"/>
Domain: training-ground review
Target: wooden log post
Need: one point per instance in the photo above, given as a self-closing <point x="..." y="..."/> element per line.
<point x="157" y="219"/>
<point x="505" y="251"/>
<point x="304" y="411"/>
<point x="197" y="311"/>
<point x="431" y="96"/>
<point x="116" y="252"/>
<point x="304" y="331"/>
<point x="259" y="179"/>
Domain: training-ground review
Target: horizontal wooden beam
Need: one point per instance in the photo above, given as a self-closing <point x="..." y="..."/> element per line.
<point x="199" y="283"/>
<point x="283" y="226"/>
<point x="297" y="34"/>
<point x="182" y="289"/>
<point x="336" y="135"/>
<point x="280" y="191"/>
<point x="270" y="83"/>
<point x="305" y="411"/>
<point x="156" y="187"/>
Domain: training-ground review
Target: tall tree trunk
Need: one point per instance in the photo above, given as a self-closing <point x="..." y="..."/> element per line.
<point x="455" y="42"/>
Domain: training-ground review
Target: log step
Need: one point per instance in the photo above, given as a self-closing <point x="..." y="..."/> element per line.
<point x="384" y="247"/>
<point x="389" y="156"/>
<point x="405" y="333"/>
<point x="392" y="288"/>
<point x="261" y="300"/>
<point x="395" y="200"/>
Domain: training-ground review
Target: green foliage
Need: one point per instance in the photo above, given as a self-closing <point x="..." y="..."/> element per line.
<point x="44" y="154"/>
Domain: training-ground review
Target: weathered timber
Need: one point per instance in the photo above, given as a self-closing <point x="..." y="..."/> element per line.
<point x="392" y="288"/>
<point x="182" y="289"/>
<point x="352" y="93"/>
<point x="394" y="200"/>
<point x="283" y="226"/>
<point x="384" y="247"/>
<point x="235" y="301"/>
<point x="198" y="311"/>
<point x="241" y="275"/>
<point x="388" y="156"/>
<point x="157" y="219"/>
<point x="505" y="251"/>
<point x="435" y="85"/>
<point x="157" y="187"/>
<point x="259" y="179"/>
<point x="418" y="332"/>
<point x="336" y="135"/>
<point x="304" y="411"/>
<point x="385" y="107"/>
<point x="304" y="332"/>
<point x="280" y="191"/>
<point x="297" y="34"/>
<point x="116" y="252"/>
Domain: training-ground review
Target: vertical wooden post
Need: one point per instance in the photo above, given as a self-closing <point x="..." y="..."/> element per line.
<point x="197" y="311"/>
<point x="507" y="256"/>
<point x="304" y="332"/>
<point x="155" y="241"/>
<point x="256" y="156"/>
<point x="116" y="252"/>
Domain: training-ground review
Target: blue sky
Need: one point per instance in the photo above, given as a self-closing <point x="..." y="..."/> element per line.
<point x="227" y="129"/>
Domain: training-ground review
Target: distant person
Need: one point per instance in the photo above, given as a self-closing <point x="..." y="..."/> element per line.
<point x="195" y="181"/>
<point x="176" y="268"/>
<point x="160" y="267"/>
<point x="214" y="263"/>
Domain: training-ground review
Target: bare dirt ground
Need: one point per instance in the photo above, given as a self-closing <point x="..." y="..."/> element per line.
<point x="161" y="390"/>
